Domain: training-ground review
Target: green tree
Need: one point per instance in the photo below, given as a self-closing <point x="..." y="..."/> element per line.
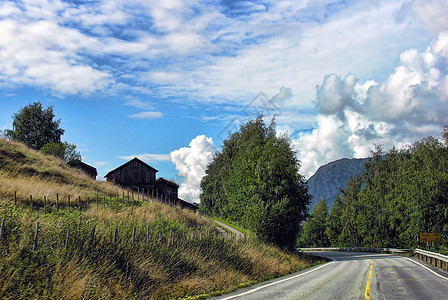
<point x="334" y="222"/>
<point x="35" y="126"/>
<point x="314" y="229"/>
<point x="65" y="151"/>
<point x="254" y="180"/>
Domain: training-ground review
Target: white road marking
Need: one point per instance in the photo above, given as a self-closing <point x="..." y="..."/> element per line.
<point x="443" y="277"/>
<point x="277" y="282"/>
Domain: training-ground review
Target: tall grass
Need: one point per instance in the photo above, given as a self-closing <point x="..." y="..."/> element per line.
<point x="175" y="253"/>
<point x="182" y="255"/>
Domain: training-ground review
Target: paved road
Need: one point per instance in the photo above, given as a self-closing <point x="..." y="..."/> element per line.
<point x="352" y="275"/>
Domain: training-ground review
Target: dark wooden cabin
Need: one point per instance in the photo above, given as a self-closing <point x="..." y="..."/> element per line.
<point x="135" y="175"/>
<point x="188" y="205"/>
<point x="88" y="169"/>
<point x="166" y="188"/>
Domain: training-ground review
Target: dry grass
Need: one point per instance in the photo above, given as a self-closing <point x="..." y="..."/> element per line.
<point x="28" y="172"/>
<point x="183" y="256"/>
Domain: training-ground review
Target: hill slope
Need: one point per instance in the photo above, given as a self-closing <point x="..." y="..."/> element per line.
<point x="118" y="249"/>
<point x="329" y="178"/>
<point x="28" y="172"/>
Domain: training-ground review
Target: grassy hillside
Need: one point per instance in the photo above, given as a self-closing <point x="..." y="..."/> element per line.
<point x="159" y="252"/>
<point x="29" y="172"/>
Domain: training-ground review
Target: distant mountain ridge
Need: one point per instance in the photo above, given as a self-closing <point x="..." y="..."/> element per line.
<point x="333" y="176"/>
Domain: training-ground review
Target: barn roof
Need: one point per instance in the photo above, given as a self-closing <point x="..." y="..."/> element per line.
<point x="167" y="181"/>
<point x="134" y="159"/>
<point x="87" y="166"/>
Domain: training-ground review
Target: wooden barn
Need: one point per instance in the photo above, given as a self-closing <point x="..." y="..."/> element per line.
<point x="139" y="176"/>
<point x="166" y="188"/>
<point x="135" y="175"/>
<point x="88" y="169"/>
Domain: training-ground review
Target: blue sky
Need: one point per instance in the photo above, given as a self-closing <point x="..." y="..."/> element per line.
<point x="166" y="80"/>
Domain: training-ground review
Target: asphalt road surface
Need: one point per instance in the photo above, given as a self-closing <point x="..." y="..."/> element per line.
<point x="352" y="275"/>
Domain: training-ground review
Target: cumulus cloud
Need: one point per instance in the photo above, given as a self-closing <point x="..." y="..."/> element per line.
<point x="411" y="103"/>
<point x="191" y="162"/>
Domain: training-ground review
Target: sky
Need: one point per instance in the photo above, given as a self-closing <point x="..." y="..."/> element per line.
<point x="166" y="81"/>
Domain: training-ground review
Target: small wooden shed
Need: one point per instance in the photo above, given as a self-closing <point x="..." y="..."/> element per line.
<point x="166" y="188"/>
<point x="135" y="175"/>
<point x="88" y="169"/>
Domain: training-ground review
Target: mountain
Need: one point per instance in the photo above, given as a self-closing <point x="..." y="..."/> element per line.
<point x="333" y="176"/>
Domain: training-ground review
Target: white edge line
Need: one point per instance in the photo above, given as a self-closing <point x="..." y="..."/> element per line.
<point x="423" y="266"/>
<point x="277" y="282"/>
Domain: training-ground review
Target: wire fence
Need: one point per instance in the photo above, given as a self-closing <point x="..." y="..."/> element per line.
<point x="58" y="201"/>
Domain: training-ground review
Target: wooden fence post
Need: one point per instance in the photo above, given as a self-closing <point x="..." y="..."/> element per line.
<point x="36" y="235"/>
<point x="92" y="237"/>
<point x="57" y="202"/>
<point x="67" y="239"/>
<point x="45" y="204"/>
<point x="79" y="202"/>
<point x="31" y="201"/>
<point x="115" y="235"/>
<point x="2" y="228"/>
<point x="138" y="194"/>
<point x="133" y="235"/>
<point x="68" y="197"/>
<point x="15" y="199"/>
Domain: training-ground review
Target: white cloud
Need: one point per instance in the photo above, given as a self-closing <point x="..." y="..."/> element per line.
<point x="138" y="103"/>
<point x="411" y="103"/>
<point x="148" y="157"/>
<point x="44" y="54"/>
<point x="200" y="49"/>
<point x="432" y="13"/>
<point x="191" y="162"/>
<point x="147" y="115"/>
<point x="166" y="78"/>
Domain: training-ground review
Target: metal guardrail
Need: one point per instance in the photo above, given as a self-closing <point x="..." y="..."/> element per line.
<point x="359" y="249"/>
<point x="432" y="258"/>
<point x="435" y="259"/>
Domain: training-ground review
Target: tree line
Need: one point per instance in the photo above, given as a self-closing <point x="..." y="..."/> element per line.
<point x="402" y="192"/>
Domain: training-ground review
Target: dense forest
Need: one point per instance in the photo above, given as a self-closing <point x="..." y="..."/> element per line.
<point x="401" y="193"/>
